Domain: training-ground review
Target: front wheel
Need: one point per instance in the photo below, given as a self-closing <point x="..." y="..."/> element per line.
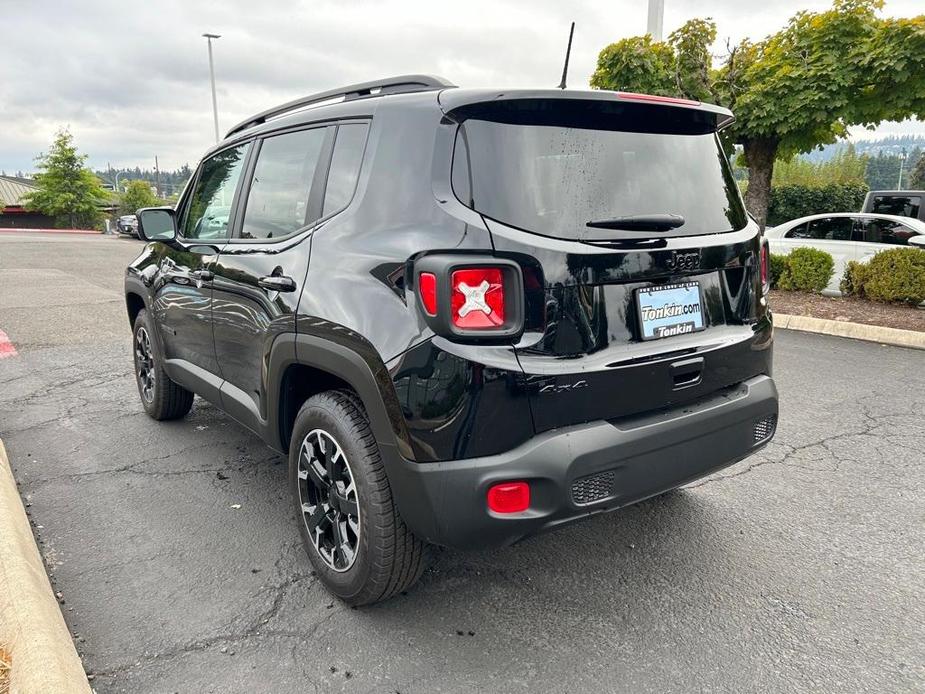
<point x="161" y="397"/>
<point x="358" y="544"/>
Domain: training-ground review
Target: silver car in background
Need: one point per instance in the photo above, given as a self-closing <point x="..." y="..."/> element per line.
<point x="846" y="236"/>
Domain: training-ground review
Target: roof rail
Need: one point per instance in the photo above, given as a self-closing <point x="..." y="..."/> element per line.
<point x="390" y="85"/>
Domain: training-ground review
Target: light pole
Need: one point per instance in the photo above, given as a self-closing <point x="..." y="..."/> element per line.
<point x="209" y="38"/>
<point x="656" y="19"/>
<point x="902" y="160"/>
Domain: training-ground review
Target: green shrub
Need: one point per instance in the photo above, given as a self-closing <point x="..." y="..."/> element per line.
<point x="896" y="275"/>
<point x="778" y="268"/>
<point x="807" y="270"/>
<point x="792" y="201"/>
<point x="852" y="281"/>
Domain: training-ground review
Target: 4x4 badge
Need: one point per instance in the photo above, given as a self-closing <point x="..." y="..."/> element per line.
<point x="684" y="260"/>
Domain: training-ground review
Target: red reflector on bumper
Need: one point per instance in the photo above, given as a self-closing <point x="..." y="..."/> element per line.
<point x="509" y="497"/>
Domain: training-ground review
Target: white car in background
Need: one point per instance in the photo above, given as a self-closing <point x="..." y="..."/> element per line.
<point x="846" y="236"/>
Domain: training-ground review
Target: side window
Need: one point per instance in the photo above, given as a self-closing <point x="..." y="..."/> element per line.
<point x="345" y="166"/>
<point x="887" y="231"/>
<point x="209" y="208"/>
<point x="277" y="204"/>
<point x="800" y="232"/>
<point x="461" y="175"/>
<point x="902" y="205"/>
<point x="830" y="229"/>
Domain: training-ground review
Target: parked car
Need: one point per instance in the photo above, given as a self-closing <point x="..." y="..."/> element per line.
<point x="127" y="224"/>
<point x="846" y="236"/>
<point x="903" y="203"/>
<point x="467" y="315"/>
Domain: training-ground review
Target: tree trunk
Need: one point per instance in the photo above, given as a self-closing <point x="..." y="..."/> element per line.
<point x="759" y="156"/>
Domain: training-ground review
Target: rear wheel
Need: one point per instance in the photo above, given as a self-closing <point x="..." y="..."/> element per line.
<point x="358" y="544"/>
<point x="161" y="397"/>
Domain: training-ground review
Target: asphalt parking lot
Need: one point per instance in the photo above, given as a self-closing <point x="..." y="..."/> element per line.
<point x="180" y="566"/>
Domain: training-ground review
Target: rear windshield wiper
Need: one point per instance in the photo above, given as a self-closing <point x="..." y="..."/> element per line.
<point x="640" y="222"/>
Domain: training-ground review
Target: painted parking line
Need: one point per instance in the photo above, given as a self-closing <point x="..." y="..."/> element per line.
<point x="7" y="348"/>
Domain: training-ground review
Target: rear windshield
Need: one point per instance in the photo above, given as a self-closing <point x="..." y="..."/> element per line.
<point x="902" y="205"/>
<point x="552" y="179"/>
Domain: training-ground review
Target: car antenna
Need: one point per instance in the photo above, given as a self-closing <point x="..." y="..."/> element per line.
<point x="568" y="52"/>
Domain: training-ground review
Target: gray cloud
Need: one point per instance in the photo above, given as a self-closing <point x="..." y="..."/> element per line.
<point x="131" y="78"/>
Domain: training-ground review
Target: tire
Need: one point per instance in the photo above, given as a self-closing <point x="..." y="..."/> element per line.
<point x="379" y="555"/>
<point x="161" y="397"/>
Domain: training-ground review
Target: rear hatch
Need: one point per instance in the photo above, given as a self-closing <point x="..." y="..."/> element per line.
<point x="641" y="267"/>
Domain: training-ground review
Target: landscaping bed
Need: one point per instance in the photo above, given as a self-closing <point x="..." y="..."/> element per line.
<point x="848" y="309"/>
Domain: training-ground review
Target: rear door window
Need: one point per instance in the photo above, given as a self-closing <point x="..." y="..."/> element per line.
<point x="552" y="179"/>
<point x="345" y="166"/>
<point x="831" y="229"/>
<point x="277" y="203"/>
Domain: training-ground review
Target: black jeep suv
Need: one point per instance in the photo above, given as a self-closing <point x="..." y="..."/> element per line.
<point x="467" y="315"/>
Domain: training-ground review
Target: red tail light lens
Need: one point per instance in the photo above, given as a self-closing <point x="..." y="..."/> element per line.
<point x="509" y="497"/>
<point x="765" y="267"/>
<point x="477" y="299"/>
<point x="427" y="288"/>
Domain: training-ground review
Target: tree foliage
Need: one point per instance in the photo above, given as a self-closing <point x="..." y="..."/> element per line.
<point x="917" y="175"/>
<point x="791" y="92"/>
<point x="846" y="167"/>
<point x="67" y="190"/>
<point x="792" y="201"/>
<point x="137" y="195"/>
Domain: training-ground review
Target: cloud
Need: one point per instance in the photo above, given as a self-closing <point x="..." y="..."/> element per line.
<point x="131" y="79"/>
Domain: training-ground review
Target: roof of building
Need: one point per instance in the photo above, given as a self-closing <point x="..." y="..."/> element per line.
<point x="13" y="189"/>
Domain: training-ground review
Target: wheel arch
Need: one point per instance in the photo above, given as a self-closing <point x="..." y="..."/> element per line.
<point x="308" y="364"/>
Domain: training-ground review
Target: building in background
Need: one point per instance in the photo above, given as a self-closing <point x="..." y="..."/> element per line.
<point x="12" y="213"/>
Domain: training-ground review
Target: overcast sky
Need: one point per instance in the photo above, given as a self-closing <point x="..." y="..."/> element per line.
<point x="130" y="78"/>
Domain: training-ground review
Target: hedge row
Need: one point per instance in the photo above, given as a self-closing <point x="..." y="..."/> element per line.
<point x="896" y="275"/>
<point x="805" y="270"/>
<point x="792" y="201"/>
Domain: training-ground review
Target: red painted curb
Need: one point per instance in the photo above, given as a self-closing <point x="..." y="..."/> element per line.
<point x="7" y="348"/>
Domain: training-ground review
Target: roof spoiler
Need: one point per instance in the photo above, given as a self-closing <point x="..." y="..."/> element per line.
<point x="470" y="100"/>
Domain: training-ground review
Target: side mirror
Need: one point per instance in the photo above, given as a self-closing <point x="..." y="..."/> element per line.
<point x="918" y="241"/>
<point x="157" y="224"/>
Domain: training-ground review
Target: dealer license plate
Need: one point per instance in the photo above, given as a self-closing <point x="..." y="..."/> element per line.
<point x="673" y="309"/>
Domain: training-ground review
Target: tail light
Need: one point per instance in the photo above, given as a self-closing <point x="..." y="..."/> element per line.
<point x="427" y="287"/>
<point x="472" y="297"/>
<point x="765" y="267"/>
<point x="477" y="298"/>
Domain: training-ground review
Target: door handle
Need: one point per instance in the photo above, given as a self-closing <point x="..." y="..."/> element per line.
<point x="277" y="283"/>
<point x="202" y="275"/>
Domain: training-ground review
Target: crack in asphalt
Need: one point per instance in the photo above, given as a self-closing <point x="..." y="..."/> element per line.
<point x="873" y="422"/>
<point x="253" y="629"/>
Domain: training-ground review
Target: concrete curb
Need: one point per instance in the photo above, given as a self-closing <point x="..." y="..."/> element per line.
<point x="856" y="331"/>
<point x="31" y="626"/>
<point x="22" y="230"/>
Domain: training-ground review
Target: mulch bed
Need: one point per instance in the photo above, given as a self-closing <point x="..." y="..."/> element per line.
<point x="848" y="309"/>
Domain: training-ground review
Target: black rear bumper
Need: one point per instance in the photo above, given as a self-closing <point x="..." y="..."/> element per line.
<point x="584" y="469"/>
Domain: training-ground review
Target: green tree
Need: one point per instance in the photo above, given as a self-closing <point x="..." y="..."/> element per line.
<point x="791" y="92"/>
<point x="67" y="190"/>
<point x="137" y="195"/>
<point x="845" y="167"/>
<point x="917" y="176"/>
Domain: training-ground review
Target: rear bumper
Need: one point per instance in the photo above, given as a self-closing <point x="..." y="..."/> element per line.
<point x="580" y="470"/>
